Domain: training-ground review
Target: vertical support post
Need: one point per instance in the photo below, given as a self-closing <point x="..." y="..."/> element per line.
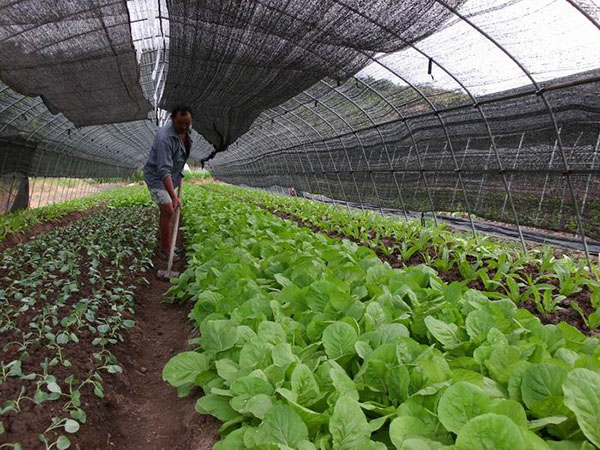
<point x="483" y="178"/>
<point x="587" y="184"/>
<point x="461" y="165"/>
<point x="66" y="184"/>
<point x="337" y="173"/>
<point x="514" y="166"/>
<point x="562" y="197"/>
<point x="390" y="162"/>
<point x="546" y="181"/>
<point x="57" y="182"/>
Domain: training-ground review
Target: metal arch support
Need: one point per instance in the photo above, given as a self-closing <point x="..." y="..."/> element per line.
<point x="324" y="120"/>
<point x="319" y="157"/>
<point x="301" y="145"/>
<point x="362" y="147"/>
<point x="432" y="106"/>
<point x="584" y="13"/>
<point x="20" y="114"/>
<point x="414" y="142"/>
<point x="383" y="143"/>
<point x="315" y="150"/>
<point x="355" y="135"/>
<point x="263" y="169"/>
<point x="542" y="94"/>
<point x="34" y="132"/>
<point x="274" y="144"/>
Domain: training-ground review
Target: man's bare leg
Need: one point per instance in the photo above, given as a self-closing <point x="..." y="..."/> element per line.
<point x="166" y="227"/>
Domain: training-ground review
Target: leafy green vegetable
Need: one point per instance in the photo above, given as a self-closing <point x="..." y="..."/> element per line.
<point x="312" y="342"/>
<point x="583" y="398"/>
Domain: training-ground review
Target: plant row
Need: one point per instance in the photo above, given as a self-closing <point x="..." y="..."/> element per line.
<point x="552" y="285"/>
<point x="65" y="298"/>
<point x="311" y="342"/>
<point x="22" y="220"/>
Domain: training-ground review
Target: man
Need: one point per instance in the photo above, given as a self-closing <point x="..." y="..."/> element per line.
<point x="164" y="170"/>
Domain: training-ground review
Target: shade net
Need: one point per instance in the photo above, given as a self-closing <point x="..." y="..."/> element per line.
<point x="251" y="55"/>
<point x="77" y="54"/>
<point x="485" y="107"/>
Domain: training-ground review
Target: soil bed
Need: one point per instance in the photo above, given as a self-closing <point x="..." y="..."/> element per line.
<point x="19" y="238"/>
<point x="563" y="314"/>
<point x="139" y="410"/>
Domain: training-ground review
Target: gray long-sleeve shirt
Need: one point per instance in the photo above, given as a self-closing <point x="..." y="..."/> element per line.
<point x="167" y="157"/>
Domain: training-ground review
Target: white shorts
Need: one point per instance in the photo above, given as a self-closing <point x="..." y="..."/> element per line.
<point x="159" y="196"/>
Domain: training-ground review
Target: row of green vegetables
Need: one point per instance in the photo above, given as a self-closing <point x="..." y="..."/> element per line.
<point x="309" y="342"/>
<point x="65" y="298"/>
<point x="502" y="269"/>
<point x="23" y="220"/>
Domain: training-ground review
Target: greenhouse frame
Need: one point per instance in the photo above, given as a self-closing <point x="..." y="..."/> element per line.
<point x="475" y="118"/>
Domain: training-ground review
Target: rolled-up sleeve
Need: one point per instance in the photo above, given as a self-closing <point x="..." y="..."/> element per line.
<point x="164" y="158"/>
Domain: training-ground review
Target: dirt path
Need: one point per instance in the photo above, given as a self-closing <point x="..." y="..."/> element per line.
<point x="141" y="411"/>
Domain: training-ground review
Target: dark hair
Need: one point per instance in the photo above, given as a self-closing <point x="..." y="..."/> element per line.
<point x="183" y="109"/>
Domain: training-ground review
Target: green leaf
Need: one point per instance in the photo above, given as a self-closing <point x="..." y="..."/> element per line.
<point x="227" y="369"/>
<point x="71" y="426"/>
<point x="582" y="396"/>
<point x="251" y="385"/>
<point x="184" y="368"/>
<point x="53" y="387"/>
<point x="282" y="425"/>
<point x="114" y="368"/>
<point x="259" y="405"/>
<point x="406" y="431"/>
<point x="348" y="425"/>
<point x="339" y="339"/>
<point x="271" y="332"/>
<point x="541" y="423"/>
<point x="569" y="445"/>
<point x="460" y="403"/>
<point x="233" y="441"/>
<point x="511" y="409"/>
<point x="363" y="349"/>
<point x="304" y="385"/>
<point x="63" y="442"/>
<point x="490" y="432"/>
<point x="342" y="383"/>
<point x="283" y="281"/>
<point x="255" y="353"/>
<point x="541" y="389"/>
<point x="478" y="323"/>
<point x="218" y="335"/>
<point x="445" y="333"/>
<point x="282" y="355"/>
<point x="216" y="406"/>
<point x="503" y="361"/>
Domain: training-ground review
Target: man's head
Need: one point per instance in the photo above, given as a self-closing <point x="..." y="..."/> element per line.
<point x="181" y="116"/>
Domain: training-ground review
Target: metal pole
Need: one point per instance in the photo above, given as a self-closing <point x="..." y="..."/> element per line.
<point x="587" y="184"/>
<point x="546" y="182"/>
<point x="483" y="178"/>
<point x="562" y="197"/>
<point x="514" y="166"/>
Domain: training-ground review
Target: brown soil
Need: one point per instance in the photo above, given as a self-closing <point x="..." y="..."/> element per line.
<point x="139" y="410"/>
<point x="19" y="238"/>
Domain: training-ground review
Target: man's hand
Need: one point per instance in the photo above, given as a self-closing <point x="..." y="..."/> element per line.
<point x="176" y="203"/>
